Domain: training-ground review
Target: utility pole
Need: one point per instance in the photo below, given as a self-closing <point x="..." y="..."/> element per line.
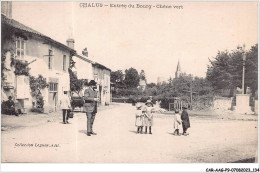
<point x="243" y="73"/>
<point x="191" y="92"/>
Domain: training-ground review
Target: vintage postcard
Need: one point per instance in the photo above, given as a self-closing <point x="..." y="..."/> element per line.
<point x="129" y="82"/>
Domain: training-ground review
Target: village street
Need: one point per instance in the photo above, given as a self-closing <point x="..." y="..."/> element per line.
<point x="211" y="140"/>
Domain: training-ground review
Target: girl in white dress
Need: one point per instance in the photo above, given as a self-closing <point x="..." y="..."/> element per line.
<point x="148" y="116"/>
<point x="139" y="118"/>
<point x="177" y="123"/>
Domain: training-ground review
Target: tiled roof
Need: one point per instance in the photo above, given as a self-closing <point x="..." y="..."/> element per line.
<point x="15" y="24"/>
<point x="101" y="66"/>
<point x="84" y="58"/>
<point x="93" y="63"/>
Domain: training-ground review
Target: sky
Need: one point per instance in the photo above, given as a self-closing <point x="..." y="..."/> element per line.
<point x="150" y="39"/>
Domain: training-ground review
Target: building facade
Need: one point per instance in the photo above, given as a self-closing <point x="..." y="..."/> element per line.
<point x="42" y="56"/>
<point x="89" y="70"/>
<point x="101" y="75"/>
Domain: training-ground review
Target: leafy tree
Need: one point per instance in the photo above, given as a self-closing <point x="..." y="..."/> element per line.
<point x="218" y="72"/>
<point x="251" y="72"/>
<point x="131" y="78"/>
<point x="150" y="85"/>
<point x="76" y="85"/>
<point x="117" y="76"/>
<point x="225" y="71"/>
<point x="36" y="85"/>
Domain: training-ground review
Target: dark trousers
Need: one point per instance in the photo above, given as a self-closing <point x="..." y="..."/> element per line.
<point x="11" y="111"/>
<point x="65" y="113"/>
<point x="184" y="129"/>
<point x="90" y="121"/>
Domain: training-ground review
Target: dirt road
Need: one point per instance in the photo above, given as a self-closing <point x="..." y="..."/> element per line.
<point x="210" y="140"/>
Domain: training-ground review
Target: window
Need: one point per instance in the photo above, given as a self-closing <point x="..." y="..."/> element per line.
<point x="53" y="87"/>
<point x="50" y="59"/>
<point x="64" y="62"/>
<point x="20" y="48"/>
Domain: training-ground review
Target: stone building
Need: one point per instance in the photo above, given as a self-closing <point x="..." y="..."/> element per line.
<point x="28" y="53"/>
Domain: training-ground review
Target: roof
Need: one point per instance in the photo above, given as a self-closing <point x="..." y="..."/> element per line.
<point x="101" y="66"/>
<point x="95" y="64"/>
<point x="15" y="24"/>
<point x="84" y="58"/>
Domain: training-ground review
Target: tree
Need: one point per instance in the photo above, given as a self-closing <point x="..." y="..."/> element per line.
<point x="225" y="71"/>
<point x="131" y="78"/>
<point x="117" y="76"/>
<point x="142" y="75"/>
<point x="218" y="72"/>
<point x="76" y="85"/>
<point x="251" y="72"/>
<point x="150" y="85"/>
<point x="36" y="85"/>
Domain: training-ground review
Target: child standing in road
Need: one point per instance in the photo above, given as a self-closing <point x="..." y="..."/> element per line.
<point x="185" y="121"/>
<point x="139" y="118"/>
<point x="148" y="116"/>
<point x="176" y="123"/>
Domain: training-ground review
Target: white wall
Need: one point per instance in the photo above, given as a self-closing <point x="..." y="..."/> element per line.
<point x="83" y="68"/>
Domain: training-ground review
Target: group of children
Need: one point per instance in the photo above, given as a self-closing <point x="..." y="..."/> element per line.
<point x="144" y="118"/>
<point x="181" y="122"/>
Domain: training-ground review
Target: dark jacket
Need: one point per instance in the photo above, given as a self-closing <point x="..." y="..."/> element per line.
<point x="185" y="119"/>
<point x="90" y="105"/>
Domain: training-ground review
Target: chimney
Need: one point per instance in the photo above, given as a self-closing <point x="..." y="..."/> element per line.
<point x="6" y="8"/>
<point x="70" y="43"/>
<point x="85" y="52"/>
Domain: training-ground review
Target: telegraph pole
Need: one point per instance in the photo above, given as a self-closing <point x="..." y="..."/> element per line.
<point x="243" y="73"/>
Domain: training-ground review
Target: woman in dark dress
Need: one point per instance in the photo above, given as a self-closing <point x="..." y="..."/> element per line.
<point x="185" y="121"/>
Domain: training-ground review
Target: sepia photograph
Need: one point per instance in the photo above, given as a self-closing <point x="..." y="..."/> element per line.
<point x="129" y="82"/>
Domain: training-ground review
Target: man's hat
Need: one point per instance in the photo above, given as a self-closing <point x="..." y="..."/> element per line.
<point x="91" y="83"/>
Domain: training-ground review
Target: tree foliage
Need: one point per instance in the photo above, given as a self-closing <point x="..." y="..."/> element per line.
<point x="225" y="70"/>
<point x="36" y="85"/>
<point x="131" y="78"/>
<point x="76" y="85"/>
<point x="117" y="76"/>
<point x="251" y="72"/>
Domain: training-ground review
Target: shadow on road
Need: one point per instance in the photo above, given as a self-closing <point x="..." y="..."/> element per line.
<point x="249" y="160"/>
<point x="132" y="131"/>
<point x="83" y="131"/>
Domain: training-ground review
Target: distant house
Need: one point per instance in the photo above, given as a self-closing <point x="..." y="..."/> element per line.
<point x="43" y="55"/>
<point x="142" y="84"/>
<point x="162" y="80"/>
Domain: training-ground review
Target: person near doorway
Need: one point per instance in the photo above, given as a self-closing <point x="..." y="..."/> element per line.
<point x="65" y="106"/>
<point x="90" y="105"/>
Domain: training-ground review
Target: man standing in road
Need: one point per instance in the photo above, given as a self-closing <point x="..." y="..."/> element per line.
<point x="90" y="98"/>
